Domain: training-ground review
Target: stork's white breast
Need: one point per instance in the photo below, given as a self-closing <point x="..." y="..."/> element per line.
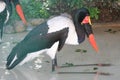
<point x="2" y="6"/>
<point x="61" y="22"/>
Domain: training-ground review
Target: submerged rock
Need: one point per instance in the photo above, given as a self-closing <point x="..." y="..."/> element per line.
<point x="35" y="22"/>
<point x="19" y="26"/>
<point x="9" y="29"/>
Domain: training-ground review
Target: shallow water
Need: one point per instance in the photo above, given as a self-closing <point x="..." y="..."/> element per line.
<point x="109" y="45"/>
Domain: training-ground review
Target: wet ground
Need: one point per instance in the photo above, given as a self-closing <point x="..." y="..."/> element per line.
<point x="109" y="53"/>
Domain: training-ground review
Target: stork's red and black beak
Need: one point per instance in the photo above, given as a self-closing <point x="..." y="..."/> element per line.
<point x="88" y="29"/>
<point x="19" y="11"/>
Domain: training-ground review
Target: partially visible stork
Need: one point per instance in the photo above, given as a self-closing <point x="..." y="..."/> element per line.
<point x="6" y="11"/>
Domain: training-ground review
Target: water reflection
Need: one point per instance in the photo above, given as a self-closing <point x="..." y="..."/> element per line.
<point x="35" y="72"/>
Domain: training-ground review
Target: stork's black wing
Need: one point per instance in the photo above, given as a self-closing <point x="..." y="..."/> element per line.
<point x="41" y="29"/>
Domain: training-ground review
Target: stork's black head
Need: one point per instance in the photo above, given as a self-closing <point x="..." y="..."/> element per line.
<point x="81" y="19"/>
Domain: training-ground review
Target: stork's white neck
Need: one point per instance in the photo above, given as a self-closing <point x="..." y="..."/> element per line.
<point x="2" y="6"/>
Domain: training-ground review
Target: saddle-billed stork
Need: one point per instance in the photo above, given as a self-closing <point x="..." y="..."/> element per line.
<point x="51" y="36"/>
<point x="6" y="10"/>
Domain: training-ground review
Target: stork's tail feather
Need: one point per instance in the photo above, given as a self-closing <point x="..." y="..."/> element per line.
<point x="9" y="60"/>
<point x="13" y="59"/>
<point x="10" y="65"/>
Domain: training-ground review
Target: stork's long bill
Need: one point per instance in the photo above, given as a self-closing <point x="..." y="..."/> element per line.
<point x="20" y="13"/>
<point x="87" y="22"/>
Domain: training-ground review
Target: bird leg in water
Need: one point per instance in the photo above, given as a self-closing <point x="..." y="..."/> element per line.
<point x="1" y="31"/>
<point x="54" y="63"/>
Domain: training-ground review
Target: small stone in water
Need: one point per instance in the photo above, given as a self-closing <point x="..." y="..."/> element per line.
<point x="37" y="66"/>
<point x="7" y="72"/>
<point x="95" y="68"/>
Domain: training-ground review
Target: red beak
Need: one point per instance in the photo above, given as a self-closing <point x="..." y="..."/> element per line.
<point x="87" y="26"/>
<point x="20" y="13"/>
<point x="93" y="42"/>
